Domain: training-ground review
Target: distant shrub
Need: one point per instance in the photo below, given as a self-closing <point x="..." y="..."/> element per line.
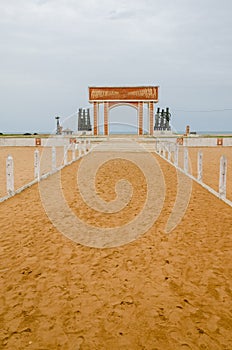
<point x="27" y="133"/>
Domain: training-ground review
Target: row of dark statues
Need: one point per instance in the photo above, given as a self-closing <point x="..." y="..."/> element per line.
<point x="162" y="119"/>
<point x="84" y="123"/>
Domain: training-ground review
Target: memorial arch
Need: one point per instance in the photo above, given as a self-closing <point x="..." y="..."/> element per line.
<point x="131" y="96"/>
<point x="123" y="117"/>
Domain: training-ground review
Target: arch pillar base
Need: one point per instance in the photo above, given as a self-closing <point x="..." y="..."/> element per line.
<point x="95" y="118"/>
<point x="140" y="118"/>
<point x="151" y="117"/>
<point x="106" y="118"/>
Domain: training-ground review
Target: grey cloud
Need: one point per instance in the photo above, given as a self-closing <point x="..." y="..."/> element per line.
<point x="41" y="2"/>
<point x="120" y="14"/>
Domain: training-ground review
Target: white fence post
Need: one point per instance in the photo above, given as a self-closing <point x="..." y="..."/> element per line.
<point x="185" y="159"/>
<point x="176" y="155"/>
<point x="10" y="176"/>
<point x="199" y="166"/>
<point x="53" y="158"/>
<point x="85" y="150"/>
<point x="222" y="177"/>
<point x="156" y="146"/>
<point x="163" y="151"/>
<point x="73" y="152"/>
<point x="79" y="149"/>
<point x="169" y="152"/>
<point x="65" y="155"/>
<point x="36" y="165"/>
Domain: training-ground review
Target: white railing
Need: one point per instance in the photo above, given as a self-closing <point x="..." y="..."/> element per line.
<point x="170" y="152"/>
<point x="78" y="150"/>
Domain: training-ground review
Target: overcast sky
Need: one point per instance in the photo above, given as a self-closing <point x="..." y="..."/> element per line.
<point x="52" y="50"/>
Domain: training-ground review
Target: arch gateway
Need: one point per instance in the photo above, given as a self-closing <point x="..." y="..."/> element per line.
<point x="132" y="96"/>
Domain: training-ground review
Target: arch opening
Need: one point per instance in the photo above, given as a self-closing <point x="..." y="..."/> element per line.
<point x="123" y="119"/>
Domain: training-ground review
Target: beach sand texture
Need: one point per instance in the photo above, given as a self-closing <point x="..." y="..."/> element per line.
<point x="162" y="291"/>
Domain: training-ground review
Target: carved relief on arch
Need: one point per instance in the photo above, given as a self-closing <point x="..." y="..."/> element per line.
<point x="118" y="103"/>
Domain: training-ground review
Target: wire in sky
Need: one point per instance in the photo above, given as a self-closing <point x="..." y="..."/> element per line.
<point x="203" y="111"/>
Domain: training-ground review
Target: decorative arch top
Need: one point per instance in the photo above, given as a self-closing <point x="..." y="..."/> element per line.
<point x="123" y="94"/>
<point x="121" y="103"/>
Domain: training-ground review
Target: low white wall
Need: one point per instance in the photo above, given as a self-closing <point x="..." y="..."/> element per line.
<point x="166" y="139"/>
<point x="26" y="141"/>
<point x="59" y="141"/>
<point x="206" y="141"/>
<point x="17" y="141"/>
<point x="227" y="141"/>
<point x="200" y="142"/>
<point x="55" y="141"/>
<point x="162" y="133"/>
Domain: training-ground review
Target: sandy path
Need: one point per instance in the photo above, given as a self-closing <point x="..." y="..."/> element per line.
<point x="159" y="292"/>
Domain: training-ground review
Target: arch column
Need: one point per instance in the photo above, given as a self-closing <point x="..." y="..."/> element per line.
<point x="106" y="118"/>
<point x="140" y="118"/>
<point x="151" y="117"/>
<point x="95" y="117"/>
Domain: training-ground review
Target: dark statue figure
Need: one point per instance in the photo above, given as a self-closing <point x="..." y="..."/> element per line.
<point x="84" y="120"/>
<point x="162" y="119"/>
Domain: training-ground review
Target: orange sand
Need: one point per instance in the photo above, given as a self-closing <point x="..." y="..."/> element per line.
<point x="159" y="292"/>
